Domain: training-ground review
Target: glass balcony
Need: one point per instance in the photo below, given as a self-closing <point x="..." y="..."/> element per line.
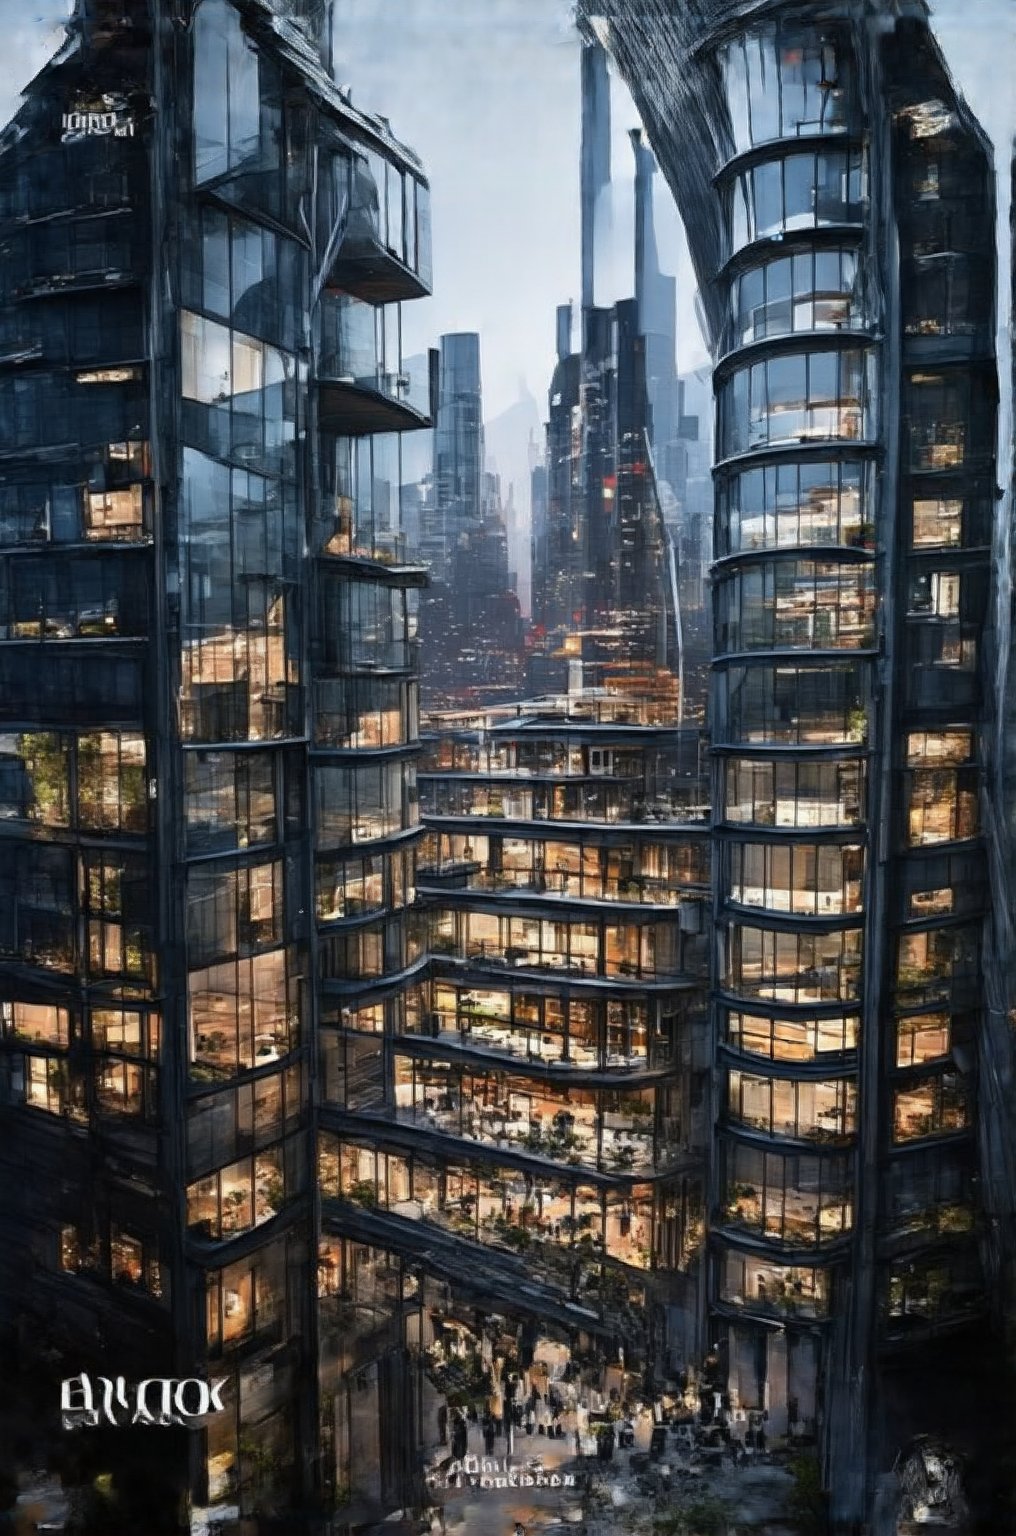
<point x="384" y="250"/>
<point x="774" y="1290"/>
<point x="783" y="506"/>
<point x="795" y="1200"/>
<point x="365" y="384"/>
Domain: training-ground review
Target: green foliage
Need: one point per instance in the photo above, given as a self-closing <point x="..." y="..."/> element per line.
<point x="363" y="1193"/>
<point x="808" y="1500"/>
<point x="705" y="1516"/>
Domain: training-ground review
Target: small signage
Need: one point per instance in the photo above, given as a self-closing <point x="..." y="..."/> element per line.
<point x="97" y="117"/>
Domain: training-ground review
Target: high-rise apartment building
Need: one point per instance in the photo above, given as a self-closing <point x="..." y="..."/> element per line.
<point x="839" y="202"/>
<point x="207" y="799"/>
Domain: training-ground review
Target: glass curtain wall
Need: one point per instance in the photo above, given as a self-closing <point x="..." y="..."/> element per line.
<point x="795" y="587"/>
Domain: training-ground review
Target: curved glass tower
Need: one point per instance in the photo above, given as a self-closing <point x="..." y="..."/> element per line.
<point x="839" y="204"/>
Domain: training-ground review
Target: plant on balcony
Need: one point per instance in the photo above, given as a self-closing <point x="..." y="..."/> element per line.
<point x="857" y="723"/>
<point x="273" y="1191"/>
<point x="362" y="1193"/>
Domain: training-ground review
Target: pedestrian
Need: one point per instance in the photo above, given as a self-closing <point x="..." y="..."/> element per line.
<point x="460" y="1437"/>
<point x="489" y="1435"/>
<point x="442" y="1424"/>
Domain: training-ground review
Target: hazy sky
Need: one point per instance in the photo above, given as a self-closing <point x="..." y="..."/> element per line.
<point x="486" y="91"/>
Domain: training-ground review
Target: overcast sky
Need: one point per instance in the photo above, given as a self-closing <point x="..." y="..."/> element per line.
<point x="486" y="91"/>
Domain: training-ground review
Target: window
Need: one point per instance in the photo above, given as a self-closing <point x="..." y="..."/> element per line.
<point x="790" y="1039"/>
<point x="799" y="191"/>
<point x="798" y="398"/>
<point x="351" y="888"/>
<point x="35" y="778"/>
<point x="239" y="394"/>
<point x="118" y="915"/>
<point x="928" y="1289"/>
<point x="792" y="704"/>
<point x="946" y="294"/>
<point x="804" y="1110"/>
<point x="51" y="1084"/>
<point x="37" y="905"/>
<point x="802" y="603"/>
<point x="120" y="1089"/>
<point x="810" y="291"/>
<point x="937" y="521"/>
<point x="933" y="963"/>
<point x="247" y="1300"/>
<point x="783" y="81"/>
<point x="363" y="624"/>
<point x="931" y="1191"/>
<point x="942" y="805"/>
<point x="243" y="1013"/>
<point x="230" y="799"/>
<point x="64" y="597"/>
<point x="939" y="748"/>
<point x="761" y="1286"/>
<point x="792" y="967"/>
<point x="934" y="1107"/>
<point x="126" y="1032"/>
<point x="808" y="879"/>
<point x="363" y="803"/>
<point x="939" y="419"/>
<point x="43" y="1023"/>
<point x="780" y="506"/>
<point x="115" y="514"/>
<point x="794" y="794"/>
<point x="245" y="1194"/>
<point x="922" y="1037"/>
<point x="226" y="93"/>
<point x="238" y="542"/>
<point x="795" y="1199"/>
<point x="112" y="788"/>
<point x="361" y="511"/>
<point x="366" y="712"/>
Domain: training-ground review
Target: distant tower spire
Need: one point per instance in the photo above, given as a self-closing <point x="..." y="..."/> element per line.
<point x="595" y="162"/>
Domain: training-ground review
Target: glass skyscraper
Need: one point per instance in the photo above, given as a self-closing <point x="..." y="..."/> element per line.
<point x="207" y="779"/>
<point x="839" y="203"/>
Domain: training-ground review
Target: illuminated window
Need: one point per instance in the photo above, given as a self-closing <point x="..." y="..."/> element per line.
<point x="939" y="747"/>
<point x="935" y="1107"/>
<point x="922" y="1037"/>
<point x="114" y="514"/>
<point x="938" y="521"/>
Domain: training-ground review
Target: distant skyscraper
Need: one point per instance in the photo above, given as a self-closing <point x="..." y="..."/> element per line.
<point x="656" y="297"/>
<point x="594" y="174"/>
<point x="458" y="452"/>
<point x="470" y="621"/>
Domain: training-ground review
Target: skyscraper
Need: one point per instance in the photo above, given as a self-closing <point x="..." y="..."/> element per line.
<point x="458" y="453"/>
<point x="656" y="297"/>
<point x="470" y="621"/>
<point x="839" y="204"/>
<point x="207" y="698"/>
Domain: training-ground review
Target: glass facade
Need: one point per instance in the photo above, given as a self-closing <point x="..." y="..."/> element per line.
<point x="839" y="201"/>
<point x="535" y="1091"/>
<point x="208" y="703"/>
